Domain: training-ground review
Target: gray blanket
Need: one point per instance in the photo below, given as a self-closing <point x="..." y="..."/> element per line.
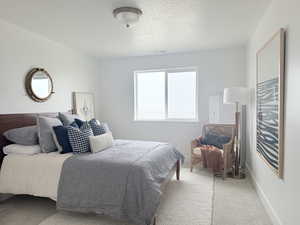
<point x="122" y="181"/>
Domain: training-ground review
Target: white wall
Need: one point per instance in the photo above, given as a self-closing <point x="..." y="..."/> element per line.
<point x="217" y="69"/>
<point x="282" y="197"/>
<point x="21" y="50"/>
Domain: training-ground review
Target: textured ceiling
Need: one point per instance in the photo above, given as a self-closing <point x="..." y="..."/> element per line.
<point x="167" y="26"/>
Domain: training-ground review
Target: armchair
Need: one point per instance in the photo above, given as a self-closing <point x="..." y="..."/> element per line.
<point x="228" y="148"/>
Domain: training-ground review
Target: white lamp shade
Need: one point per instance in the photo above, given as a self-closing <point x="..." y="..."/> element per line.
<point x="236" y="95"/>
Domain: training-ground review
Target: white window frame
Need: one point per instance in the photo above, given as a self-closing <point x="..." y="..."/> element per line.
<point x="166" y="71"/>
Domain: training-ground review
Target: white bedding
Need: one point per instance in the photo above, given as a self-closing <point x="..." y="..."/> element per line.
<point x="22" y="149"/>
<point x="36" y="175"/>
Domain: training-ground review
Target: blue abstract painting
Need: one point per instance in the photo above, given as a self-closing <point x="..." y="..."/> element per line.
<point x="267" y="121"/>
<point x="269" y="102"/>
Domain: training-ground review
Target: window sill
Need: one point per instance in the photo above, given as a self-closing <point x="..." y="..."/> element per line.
<point x="166" y="121"/>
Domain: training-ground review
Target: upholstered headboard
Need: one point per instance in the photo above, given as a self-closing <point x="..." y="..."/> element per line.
<point x="10" y="121"/>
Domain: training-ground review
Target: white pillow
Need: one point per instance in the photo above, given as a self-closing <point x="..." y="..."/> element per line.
<point x="101" y="142"/>
<point x="22" y="149"/>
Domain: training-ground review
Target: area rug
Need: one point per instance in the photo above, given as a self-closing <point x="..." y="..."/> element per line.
<point x="185" y="202"/>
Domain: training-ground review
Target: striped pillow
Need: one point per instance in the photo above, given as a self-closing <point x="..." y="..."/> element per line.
<point x="79" y="138"/>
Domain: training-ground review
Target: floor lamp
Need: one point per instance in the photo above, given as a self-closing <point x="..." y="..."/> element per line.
<point x="238" y="96"/>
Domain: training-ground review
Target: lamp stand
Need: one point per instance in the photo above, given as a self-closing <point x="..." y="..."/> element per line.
<point x="237" y="172"/>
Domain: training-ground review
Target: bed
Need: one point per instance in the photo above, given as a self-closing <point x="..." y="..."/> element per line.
<point x="124" y="182"/>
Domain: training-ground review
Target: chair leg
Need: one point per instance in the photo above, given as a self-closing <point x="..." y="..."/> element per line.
<point x="192" y="163"/>
<point x="224" y="174"/>
<point x="154" y="221"/>
<point x="178" y="170"/>
<point x="225" y="168"/>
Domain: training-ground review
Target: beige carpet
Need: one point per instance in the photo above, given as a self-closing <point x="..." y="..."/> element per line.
<point x="236" y="203"/>
<point x="25" y="210"/>
<point x="185" y="202"/>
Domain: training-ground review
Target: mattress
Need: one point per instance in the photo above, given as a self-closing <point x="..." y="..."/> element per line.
<point x="36" y="175"/>
<point x="122" y="182"/>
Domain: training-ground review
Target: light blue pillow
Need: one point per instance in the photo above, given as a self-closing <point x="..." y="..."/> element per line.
<point x="106" y="127"/>
<point x="23" y="135"/>
<point x="45" y="125"/>
<point x="67" y="118"/>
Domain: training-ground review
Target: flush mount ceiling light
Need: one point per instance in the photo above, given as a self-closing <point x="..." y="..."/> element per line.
<point x="127" y="15"/>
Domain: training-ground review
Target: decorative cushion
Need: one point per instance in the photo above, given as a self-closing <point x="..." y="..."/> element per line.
<point x="106" y="127"/>
<point x="97" y="127"/>
<point x="58" y="146"/>
<point x="101" y="142"/>
<point x="79" y="122"/>
<point x="209" y="147"/>
<point x="215" y="140"/>
<point x="21" y="149"/>
<point x="61" y="138"/>
<point x="79" y="139"/>
<point x="46" y="140"/>
<point x="85" y="125"/>
<point x="23" y="135"/>
<point x="67" y="118"/>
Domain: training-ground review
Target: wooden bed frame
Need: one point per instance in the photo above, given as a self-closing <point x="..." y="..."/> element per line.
<point x="175" y="169"/>
<point x="11" y="121"/>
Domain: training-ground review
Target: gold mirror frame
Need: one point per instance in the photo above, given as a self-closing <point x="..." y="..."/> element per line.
<point x="28" y="85"/>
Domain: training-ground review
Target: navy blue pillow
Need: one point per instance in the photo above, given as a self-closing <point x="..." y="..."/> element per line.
<point x="62" y="137"/>
<point x="79" y="138"/>
<point x="215" y="140"/>
<point x="79" y="122"/>
<point x="97" y="127"/>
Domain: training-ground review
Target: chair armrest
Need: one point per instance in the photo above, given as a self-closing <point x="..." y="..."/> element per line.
<point x="195" y="142"/>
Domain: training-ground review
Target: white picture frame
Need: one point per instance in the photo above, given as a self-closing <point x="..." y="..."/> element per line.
<point x="84" y="105"/>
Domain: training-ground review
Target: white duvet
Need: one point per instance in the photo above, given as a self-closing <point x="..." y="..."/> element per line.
<point x="36" y="175"/>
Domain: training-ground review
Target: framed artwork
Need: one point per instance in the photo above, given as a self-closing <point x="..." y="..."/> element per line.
<point x="83" y="105"/>
<point x="270" y="102"/>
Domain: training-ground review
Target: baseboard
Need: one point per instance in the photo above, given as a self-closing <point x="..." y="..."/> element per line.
<point x="265" y="201"/>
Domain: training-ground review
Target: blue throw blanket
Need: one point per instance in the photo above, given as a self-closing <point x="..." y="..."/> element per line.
<point x="122" y="181"/>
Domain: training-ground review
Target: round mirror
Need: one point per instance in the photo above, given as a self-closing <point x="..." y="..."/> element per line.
<point x="39" y="85"/>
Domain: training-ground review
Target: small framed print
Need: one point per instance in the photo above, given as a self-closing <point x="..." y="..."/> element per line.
<point x="83" y="105"/>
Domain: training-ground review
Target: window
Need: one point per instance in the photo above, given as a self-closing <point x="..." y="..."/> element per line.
<point x="166" y="95"/>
